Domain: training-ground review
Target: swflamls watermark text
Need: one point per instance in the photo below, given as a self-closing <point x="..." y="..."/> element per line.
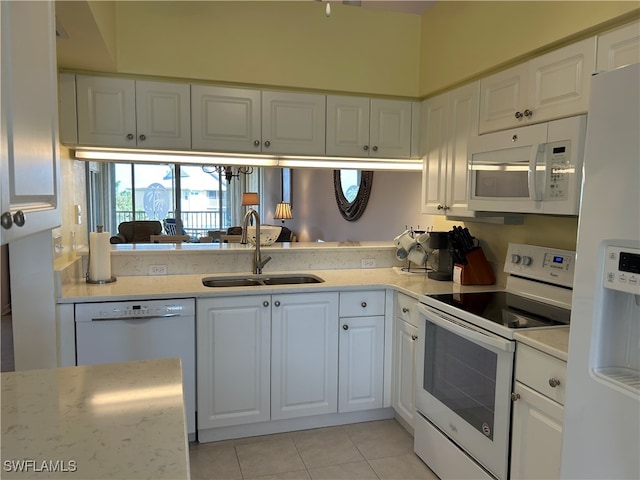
<point x="36" y="466"/>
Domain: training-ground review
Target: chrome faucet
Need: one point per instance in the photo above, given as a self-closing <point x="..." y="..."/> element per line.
<point x="258" y="262"/>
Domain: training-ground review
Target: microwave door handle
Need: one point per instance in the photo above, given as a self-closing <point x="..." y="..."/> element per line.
<point x="532" y="178"/>
<point x="467" y="332"/>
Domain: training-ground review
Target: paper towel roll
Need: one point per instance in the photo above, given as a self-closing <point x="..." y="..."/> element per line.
<point x="99" y="256"/>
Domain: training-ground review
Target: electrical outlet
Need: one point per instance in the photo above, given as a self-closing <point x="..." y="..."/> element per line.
<point x="157" y="269"/>
<point x="368" y="263"/>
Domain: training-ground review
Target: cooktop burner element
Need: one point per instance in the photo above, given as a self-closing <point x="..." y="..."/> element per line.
<point x="507" y="309"/>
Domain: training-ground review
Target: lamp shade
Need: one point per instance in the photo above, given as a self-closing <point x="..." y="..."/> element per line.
<point x="283" y="211"/>
<point x="250" y="198"/>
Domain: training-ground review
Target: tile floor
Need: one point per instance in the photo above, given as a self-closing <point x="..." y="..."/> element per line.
<point x="371" y="450"/>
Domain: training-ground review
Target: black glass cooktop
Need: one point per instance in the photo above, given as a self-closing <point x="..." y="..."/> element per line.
<point x="504" y="308"/>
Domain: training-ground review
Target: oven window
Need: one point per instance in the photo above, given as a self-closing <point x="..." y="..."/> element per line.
<point x="501" y="184"/>
<point x="462" y="375"/>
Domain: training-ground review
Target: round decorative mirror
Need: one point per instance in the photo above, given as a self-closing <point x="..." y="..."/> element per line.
<point x="352" y="189"/>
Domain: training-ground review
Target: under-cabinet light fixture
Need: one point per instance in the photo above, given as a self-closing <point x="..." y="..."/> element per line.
<point x="208" y="158"/>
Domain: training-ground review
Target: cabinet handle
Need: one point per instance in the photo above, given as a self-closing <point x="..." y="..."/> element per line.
<point x="256" y="143"/>
<point x="405" y="310"/>
<point x="519" y="115"/>
<point x="375" y="148"/>
<point x="267" y="144"/>
<point x="142" y="137"/>
<point x="554" y="382"/>
<point x="6" y="220"/>
<point x="265" y="304"/>
<point x="443" y="207"/>
<point x="277" y="303"/>
<point x="363" y="304"/>
<point x="528" y="113"/>
<point x="365" y="148"/>
<point x="19" y="218"/>
<point x="515" y="397"/>
<point x="130" y="136"/>
<point x="414" y="337"/>
<point x="345" y="327"/>
<point x="514" y="138"/>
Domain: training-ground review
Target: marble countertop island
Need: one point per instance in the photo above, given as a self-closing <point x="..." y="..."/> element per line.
<point x="120" y="420"/>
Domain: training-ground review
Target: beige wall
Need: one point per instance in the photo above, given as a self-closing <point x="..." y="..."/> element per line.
<point x="285" y="44"/>
<point x="461" y="40"/>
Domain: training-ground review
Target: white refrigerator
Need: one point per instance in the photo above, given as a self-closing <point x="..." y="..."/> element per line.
<point x="601" y="437"/>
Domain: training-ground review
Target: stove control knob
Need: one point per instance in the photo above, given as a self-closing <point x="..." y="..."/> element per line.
<point x="515" y="258"/>
<point x="526" y="261"/>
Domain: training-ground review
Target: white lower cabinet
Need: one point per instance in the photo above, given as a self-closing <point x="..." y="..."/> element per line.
<point x="283" y="356"/>
<point x="233" y="339"/>
<point x="405" y="334"/>
<point x="361" y="350"/>
<point x="536" y="432"/>
<point x="304" y="360"/>
<point x="361" y="363"/>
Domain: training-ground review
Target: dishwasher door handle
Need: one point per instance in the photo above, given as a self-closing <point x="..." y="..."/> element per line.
<point x="111" y="319"/>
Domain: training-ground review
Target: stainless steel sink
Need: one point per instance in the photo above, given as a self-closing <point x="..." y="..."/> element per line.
<point x="256" y="280"/>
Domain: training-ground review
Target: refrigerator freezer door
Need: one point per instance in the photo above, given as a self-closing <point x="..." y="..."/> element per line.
<point x="602" y="421"/>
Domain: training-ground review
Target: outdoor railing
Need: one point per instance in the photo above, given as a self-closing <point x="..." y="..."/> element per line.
<point x="194" y="223"/>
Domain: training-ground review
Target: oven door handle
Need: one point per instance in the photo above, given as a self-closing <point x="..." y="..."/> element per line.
<point x="465" y="330"/>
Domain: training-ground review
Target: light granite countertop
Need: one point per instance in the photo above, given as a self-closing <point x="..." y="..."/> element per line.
<point x="554" y="341"/>
<point x="183" y="286"/>
<point x="120" y="420"/>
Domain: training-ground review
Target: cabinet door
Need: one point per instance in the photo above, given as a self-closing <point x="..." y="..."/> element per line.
<point x="163" y="115"/>
<point x="502" y="97"/>
<point x="225" y="119"/>
<point x="29" y="163"/>
<point x="361" y="354"/>
<point x="390" y="128"/>
<point x="293" y="123"/>
<point x="233" y="351"/>
<point x="404" y="370"/>
<point x="348" y="126"/>
<point x="304" y="362"/>
<point x="434" y="125"/>
<point x="463" y="123"/>
<point x="559" y="82"/>
<point x="106" y="111"/>
<point x="618" y="47"/>
<point x="536" y="436"/>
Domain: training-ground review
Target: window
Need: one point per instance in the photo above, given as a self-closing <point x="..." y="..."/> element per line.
<point x="197" y="199"/>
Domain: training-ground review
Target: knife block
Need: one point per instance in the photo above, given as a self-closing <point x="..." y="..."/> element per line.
<point x="477" y="271"/>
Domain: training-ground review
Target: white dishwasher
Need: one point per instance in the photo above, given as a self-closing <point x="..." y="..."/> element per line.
<point x="110" y="332"/>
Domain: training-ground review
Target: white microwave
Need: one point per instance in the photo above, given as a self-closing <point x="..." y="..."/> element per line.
<point x="532" y="169"/>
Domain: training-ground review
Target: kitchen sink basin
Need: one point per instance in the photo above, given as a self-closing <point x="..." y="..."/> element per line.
<point x="255" y="280"/>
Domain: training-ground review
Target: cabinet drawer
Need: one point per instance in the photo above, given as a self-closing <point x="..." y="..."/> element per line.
<point x="359" y="304"/>
<point x="539" y="371"/>
<point x="406" y="309"/>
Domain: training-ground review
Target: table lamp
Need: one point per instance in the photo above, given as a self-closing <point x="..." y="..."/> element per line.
<point x="283" y="212"/>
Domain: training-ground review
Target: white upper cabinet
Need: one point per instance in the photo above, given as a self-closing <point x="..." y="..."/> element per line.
<point x="29" y="162"/>
<point x="550" y="86"/>
<point x="364" y="127"/>
<point x="121" y="112"/>
<point x="225" y="119"/>
<point x="448" y="121"/>
<point x="618" y="47"/>
<point x="293" y="123"/>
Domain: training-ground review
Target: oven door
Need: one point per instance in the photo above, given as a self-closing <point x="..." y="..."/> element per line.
<point x="464" y="386"/>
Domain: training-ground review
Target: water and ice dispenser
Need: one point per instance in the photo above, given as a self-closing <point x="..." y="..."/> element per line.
<point x="616" y="343"/>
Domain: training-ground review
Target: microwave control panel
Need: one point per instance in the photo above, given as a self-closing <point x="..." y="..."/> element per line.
<point x="559" y="170"/>
<point x="622" y="269"/>
<point x="550" y="265"/>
